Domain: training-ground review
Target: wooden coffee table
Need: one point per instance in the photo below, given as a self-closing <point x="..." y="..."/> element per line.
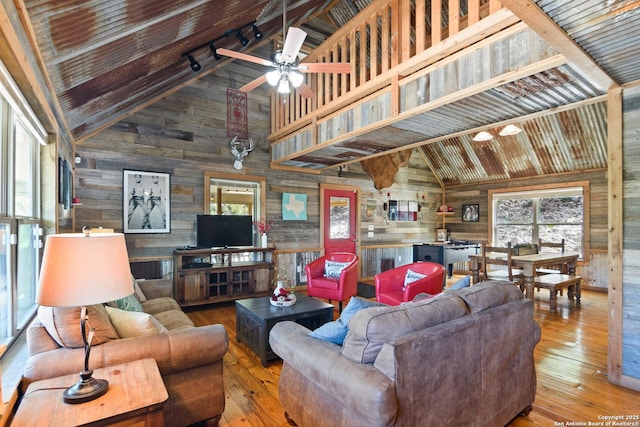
<point x="256" y="316"/>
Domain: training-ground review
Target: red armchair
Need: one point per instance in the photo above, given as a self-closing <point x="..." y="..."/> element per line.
<point x="340" y="287"/>
<point x="390" y="288"/>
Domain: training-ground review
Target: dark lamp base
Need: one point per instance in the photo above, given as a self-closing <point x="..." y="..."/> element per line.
<point x="85" y="390"/>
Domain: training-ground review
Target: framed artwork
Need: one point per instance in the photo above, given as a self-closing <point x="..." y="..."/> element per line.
<point x="470" y="213"/>
<point x="146" y="202"/>
<point x="294" y="206"/>
<point x="441" y="234"/>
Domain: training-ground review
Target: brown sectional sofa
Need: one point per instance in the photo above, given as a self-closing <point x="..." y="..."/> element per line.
<point x="189" y="358"/>
<point x="464" y="358"/>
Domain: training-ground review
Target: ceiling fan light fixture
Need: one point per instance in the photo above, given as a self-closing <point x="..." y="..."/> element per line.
<point x="283" y="87"/>
<point x="510" y="130"/>
<point x="273" y="77"/>
<point x="195" y="65"/>
<point x="296" y="78"/>
<point x="243" y="40"/>
<point x="483" y="136"/>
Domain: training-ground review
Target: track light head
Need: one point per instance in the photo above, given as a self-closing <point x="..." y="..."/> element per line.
<point x="195" y="65"/>
<point x="243" y="40"/>
<point x="256" y="32"/>
<point x="216" y="55"/>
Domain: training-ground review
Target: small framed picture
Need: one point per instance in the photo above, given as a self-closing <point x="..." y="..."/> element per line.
<point x="146" y="202"/>
<point x="441" y="234"/>
<point x="470" y="213"/>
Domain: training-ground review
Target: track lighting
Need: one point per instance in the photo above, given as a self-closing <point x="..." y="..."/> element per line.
<point x="256" y="32"/>
<point x="243" y="40"/>
<point x="216" y="55"/>
<point x="195" y="65"/>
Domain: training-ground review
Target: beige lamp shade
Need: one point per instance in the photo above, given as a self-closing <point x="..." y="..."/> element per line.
<point x="83" y="270"/>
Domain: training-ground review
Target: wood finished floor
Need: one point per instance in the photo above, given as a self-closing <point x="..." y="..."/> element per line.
<point x="571" y="365"/>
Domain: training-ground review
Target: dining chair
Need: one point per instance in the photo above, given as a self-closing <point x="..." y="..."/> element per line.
<point x="554" y="247"/>
<point x="500" y="256"/>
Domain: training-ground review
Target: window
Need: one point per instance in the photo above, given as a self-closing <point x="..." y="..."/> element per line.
<point x="548" y="215"/>
<point x="20" y="139"/>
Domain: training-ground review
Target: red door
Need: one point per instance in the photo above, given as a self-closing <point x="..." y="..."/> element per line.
<point x="339" y="219"/>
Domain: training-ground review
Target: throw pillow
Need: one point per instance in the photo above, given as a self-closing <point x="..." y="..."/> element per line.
<point x="128" y="303"/>
<point x="411" y="276"/>
<point x="63" y="324"/>
<point x="336" y="331"/>
<point x="140" y="296"/>
<point x="131" y="324"/>
<point x="462" y="283"/>
<point x="333" y="269"/>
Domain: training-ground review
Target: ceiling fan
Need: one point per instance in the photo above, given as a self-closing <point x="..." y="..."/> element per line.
<point x="287" y="70"/>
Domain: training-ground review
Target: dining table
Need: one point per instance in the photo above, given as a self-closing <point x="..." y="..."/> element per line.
<point x="529" y="264"/>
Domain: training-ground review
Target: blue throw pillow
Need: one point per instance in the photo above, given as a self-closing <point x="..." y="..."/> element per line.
<point x="336" y="331"/>
<point x="462" y="283"/>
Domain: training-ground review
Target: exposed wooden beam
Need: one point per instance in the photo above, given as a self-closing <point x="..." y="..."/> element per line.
<point x="615" y="193"/>
<point x="542" y="24"/>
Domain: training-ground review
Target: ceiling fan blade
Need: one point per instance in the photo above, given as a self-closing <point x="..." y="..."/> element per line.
<point x="292" y="44"/>
<point x="244" y="56"/>
<point x="305" y="90"/>
<point x="253" y="84"/>
<point x="325" y="67"/>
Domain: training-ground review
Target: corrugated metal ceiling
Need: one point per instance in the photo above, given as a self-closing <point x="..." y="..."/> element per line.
<point x="107" y="59"/>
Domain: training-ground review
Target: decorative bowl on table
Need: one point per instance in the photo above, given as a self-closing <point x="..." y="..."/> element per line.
<point x="282" y="297"/>
<point x="282" y="301"/>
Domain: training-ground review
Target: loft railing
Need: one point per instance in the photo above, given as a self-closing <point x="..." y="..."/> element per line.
<point x="385" y="42"/>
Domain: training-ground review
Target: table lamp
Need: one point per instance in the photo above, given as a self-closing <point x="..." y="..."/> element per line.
<point x="81" y="270"/>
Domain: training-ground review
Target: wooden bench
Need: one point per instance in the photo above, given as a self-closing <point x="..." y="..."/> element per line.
<point x="557" y="282"/>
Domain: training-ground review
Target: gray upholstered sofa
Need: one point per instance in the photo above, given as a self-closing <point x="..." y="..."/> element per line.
<point x="464" y="358"/>
<point x="189" y="358"/>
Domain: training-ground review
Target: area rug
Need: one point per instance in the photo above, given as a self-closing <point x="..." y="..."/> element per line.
<point x="365" y="290"/>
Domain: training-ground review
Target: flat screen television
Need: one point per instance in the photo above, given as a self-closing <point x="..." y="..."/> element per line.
<point x="219" y="231"/>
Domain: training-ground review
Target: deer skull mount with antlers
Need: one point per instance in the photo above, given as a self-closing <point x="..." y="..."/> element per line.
<point x="239" y="150"/>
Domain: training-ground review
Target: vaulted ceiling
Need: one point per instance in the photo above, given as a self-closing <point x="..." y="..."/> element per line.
<point x="105" y="60"/>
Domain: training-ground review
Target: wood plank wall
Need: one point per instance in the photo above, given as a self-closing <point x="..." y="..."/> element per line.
<point x="630" y="321"/>
<point x="185" y="135"/>
<point x="593" y="269"/>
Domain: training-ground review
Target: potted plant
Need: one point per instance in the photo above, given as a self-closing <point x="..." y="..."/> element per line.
<point x="525" y="249"/>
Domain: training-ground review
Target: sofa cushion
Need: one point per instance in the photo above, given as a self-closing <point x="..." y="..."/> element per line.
<point x="159" y="305"/>
<point x="129" y="303"/>
<point x="131" y="324"/>
<point x="336" y="331"/>
<point x="333" y="269"/>
<point x="487" y="294"/>
<point x="411" y="276"/>
<point x="63" y="324"/>
<point x="174" y="320"/>
<point x="369" y="329"/>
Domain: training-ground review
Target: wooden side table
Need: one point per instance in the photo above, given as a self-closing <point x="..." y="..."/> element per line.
<point x="136" y="396"/>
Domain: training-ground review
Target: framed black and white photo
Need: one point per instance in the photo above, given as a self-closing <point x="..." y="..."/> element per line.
<point x="470" y="213"/>
<point x="146" y="202"/>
